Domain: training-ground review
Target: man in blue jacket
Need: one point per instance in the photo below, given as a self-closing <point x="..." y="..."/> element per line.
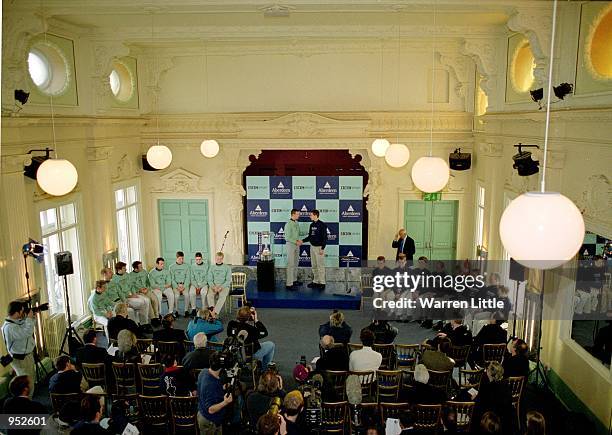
<point x="317" y="236"/>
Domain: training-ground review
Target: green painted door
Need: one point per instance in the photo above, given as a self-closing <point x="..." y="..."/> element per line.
<point x="433" y="226"/>
<point x="183" y="226"/>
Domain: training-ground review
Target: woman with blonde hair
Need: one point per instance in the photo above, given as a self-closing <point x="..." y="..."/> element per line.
<point x="127" y="351"/>
<point x="337" y="328"/>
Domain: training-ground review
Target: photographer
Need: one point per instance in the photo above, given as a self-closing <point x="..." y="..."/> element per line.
<point x="205" y="322"/>
<point x="258" y="402"/>
<point x="212" y="399"/>
<point x="247" y="321"/>
<point x="18" y="331"/>
<point x="293" y="405"/>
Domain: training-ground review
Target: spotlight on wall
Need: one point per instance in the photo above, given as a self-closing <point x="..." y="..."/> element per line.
<point x="30" y="170"/>
<point x="459" y="161"/>
<point x="146" y="166"/>
<point x="523" y="162"/>
<point x="537" y="95"/>
<point x="21" y="96"/>
<point x="563" y="89"/>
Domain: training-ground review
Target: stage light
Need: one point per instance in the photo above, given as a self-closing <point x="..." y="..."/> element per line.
<point x="523" y="162"/>
<point x="537" y="95"/>
<point x="209" y="148"/>
<point x="21" y="96"/>
<point x="379" y="147"/>
<point x="459" y="161"/>
<point x="430" y="174"/>
<point x="563" y="89"/>
<point x="541" y="230"/>
<point x="397" y="155"/>
<point x="159" y="156"/>
<point x="57" y="177"/>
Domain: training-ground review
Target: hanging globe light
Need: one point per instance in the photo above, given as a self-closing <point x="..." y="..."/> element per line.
<point x="209" y="148"/>
<point x="430" y="174"/>
<point x="379" y="147"/>
<point x="57" y="177"/>
<point x="159" y="156"/>
<point x="397" y="155"/>
<point x="542" y="230"/>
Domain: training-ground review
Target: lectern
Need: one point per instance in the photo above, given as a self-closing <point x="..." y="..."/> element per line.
<point x="265" y="262"/>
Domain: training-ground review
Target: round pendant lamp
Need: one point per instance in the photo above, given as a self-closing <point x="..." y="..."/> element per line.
<point x="379" y="147"/>
<point x="159" y="156"/>
<point x="57" y="177"/>
<point x="397" y="155"/>
<point x="209" y="148"/>
<point x="430" y="174"/>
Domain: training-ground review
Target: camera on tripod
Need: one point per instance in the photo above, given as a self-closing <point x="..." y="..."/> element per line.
<point x="311" y="390"/>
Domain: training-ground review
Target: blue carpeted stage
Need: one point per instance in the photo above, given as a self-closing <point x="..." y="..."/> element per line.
<point x="304" y="297"/>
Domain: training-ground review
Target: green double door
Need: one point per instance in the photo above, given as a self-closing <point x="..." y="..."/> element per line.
<point x="183" y="226"/>
<point x="433" y="226"/>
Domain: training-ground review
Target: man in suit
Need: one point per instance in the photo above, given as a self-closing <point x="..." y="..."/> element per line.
<point x="404" y="245"/>
<point x="317" y="236"/>
<point x="91" y="353"/>
<point x="333" y="357"/>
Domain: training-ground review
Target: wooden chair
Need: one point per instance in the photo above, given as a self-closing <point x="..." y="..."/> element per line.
<point x="216" y="346"/>
<point x="184" y="414"/>
<point x="388" y="355"/>
<point x="125" y="377"/>
<point x="169" y="348"/>
<point x="145" y="346"/>
<point x="195" y="373"/>
<point x="464" y="412"/>
<point x="337" y="379"/>
<point x="366" y="289"/>
<point x="150" y="375"/>
<point x="154" y="411"/>
<point x="333" y="417"/>
<point x="427" y="418"/>
<point x="237" y="290"/>
<point x="493" y="352"/>
<point x="95" y="374"/>
<point x="392" y="410"/>
<point x="188" y="346"/>
<point x="459" y="354"/>
<point x="58" y="400"/>
<point x="406" y="356"/>
<point x="516" y="384"/>
<point x="363" y="416"/>
<point x="440" y="380"/>
<point x="367" y="379"/>
<point x="388" y="385"/>
<point x="354" y="346"/>
<point x="470" y="378"/>
<point x="132" y="410"/>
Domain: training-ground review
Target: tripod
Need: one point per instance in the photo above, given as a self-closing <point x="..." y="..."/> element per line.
<point x="40" y="368"/>
<point x="539" y="370"/>
<point x="70" y="333"/>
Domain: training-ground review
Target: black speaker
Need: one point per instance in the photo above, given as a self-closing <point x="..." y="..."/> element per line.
<point x="63" y="263"/>
<point x="517" y="271"/>
<point x="459" y="161"/>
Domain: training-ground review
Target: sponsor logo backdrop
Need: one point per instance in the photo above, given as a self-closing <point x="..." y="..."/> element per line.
<point x="340" y="200"/>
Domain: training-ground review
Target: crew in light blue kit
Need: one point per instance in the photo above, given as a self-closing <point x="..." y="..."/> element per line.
<point x="199" y="283"/>
<point x="219" y="283"/>
<point x="180" y="276"/>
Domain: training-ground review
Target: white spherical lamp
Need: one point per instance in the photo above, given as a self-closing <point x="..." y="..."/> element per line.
<point x="542" y="230"/>
<point x="379" y="147"/>
<point x="57" y="177"/>
<point x="430" y="174"/>
<point x="397" y="155"/>
<point x="209" y="148"/>
<point x="159" y="156"/>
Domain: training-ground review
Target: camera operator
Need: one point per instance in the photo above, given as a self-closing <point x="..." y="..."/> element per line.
<point x="212" y="398"/>
<point x="247" y="321"/>
<point x="18" y="333"/>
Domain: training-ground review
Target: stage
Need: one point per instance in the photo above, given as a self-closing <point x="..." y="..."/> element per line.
<point x="304" y="297"/>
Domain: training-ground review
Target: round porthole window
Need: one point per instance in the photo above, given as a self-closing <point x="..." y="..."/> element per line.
<point x="48" y="68"/>
<point x="599" y="43"/>
<point x="523" y="64"/>
<point x="121" y="81"/>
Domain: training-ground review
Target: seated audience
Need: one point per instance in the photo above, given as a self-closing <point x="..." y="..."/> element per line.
<point x="121" y="322"/>
<point x="199" y="357"/>
<point x="517" y="364"/>
<point x="437" y="359"/>
<point x="536" y="424"/>
<point x="423" y="393"/>
<point x="67" y="379"/>
<point x="91" y="353"/>
<point x="293" y="404"/>
<point x="365" y="359"/>
<point x="20" y="403"/>
<point x="92" y="410"/>
<point x="449" y="421"/>
<point x="492" y="333"/>
<point x="169" y="333"/>
<point x="457" y="332"/>
<point x="258" y="402"/>
<point x="490" y="424"/>
<point x="205" y="322"/>
<point x="381" y="268"/>
<point x="495" y="396"/>
<point x="175" y="380"/>
<point x="212" y="400"/>
<point x="384" y="333"/>
<point x="127" y="352"/>
<point x="333" y="357"/>
<point x="246" y="320"/>
<point x="406" y="423"/>
<point x="337" y="328"/>
<point x="269" y="424"/>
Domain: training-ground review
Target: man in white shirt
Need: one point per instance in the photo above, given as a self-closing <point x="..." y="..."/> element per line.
<point x="365" y="359"/>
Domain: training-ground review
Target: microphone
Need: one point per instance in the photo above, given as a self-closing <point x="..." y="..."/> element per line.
<point x="242" y="336"/>
<point x="317" y="381"/>
<point x="226" y="233"/>
<point x="353" y="390"/>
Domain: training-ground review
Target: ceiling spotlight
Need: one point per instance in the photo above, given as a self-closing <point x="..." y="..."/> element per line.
<point x="563" y="89"/>
<point x="523" y="162"/>
<point x="459" y="161"/>
<point x="537" y="95"/>
<point x="21" y="96"/>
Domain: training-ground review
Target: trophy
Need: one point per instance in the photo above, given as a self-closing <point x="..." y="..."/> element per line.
<point x="265" y="241"/>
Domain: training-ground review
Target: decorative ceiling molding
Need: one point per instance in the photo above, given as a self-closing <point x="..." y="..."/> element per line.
<point x="126" y="168"/>
<point x="104" y="55"/>
<point x="491" y="149"/>
<point x="99" y="153"/>
<point x="483" y="51"/>
<point x="595" y="200"/>
<point x="179" y="180"/>
<point x="152" y="69"/>
<point x="15" y="163"/>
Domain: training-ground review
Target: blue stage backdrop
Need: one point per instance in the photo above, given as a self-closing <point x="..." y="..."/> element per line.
<point x="338" y="199"/>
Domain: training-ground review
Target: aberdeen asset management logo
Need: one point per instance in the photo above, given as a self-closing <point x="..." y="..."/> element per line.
<point x="280" y="189"/>
<point x="350" y="212"/>
<point x="257" y="212"/>
<point x="280" y="235"/>
<point x="327" y="189"/>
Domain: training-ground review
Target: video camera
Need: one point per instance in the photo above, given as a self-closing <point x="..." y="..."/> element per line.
<point x="311" y="391"/>
<point x="232" y="359"/>
<point x="36" y="308"/>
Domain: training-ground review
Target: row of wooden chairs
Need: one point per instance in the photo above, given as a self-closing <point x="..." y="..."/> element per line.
<point x="155" y="348"/>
